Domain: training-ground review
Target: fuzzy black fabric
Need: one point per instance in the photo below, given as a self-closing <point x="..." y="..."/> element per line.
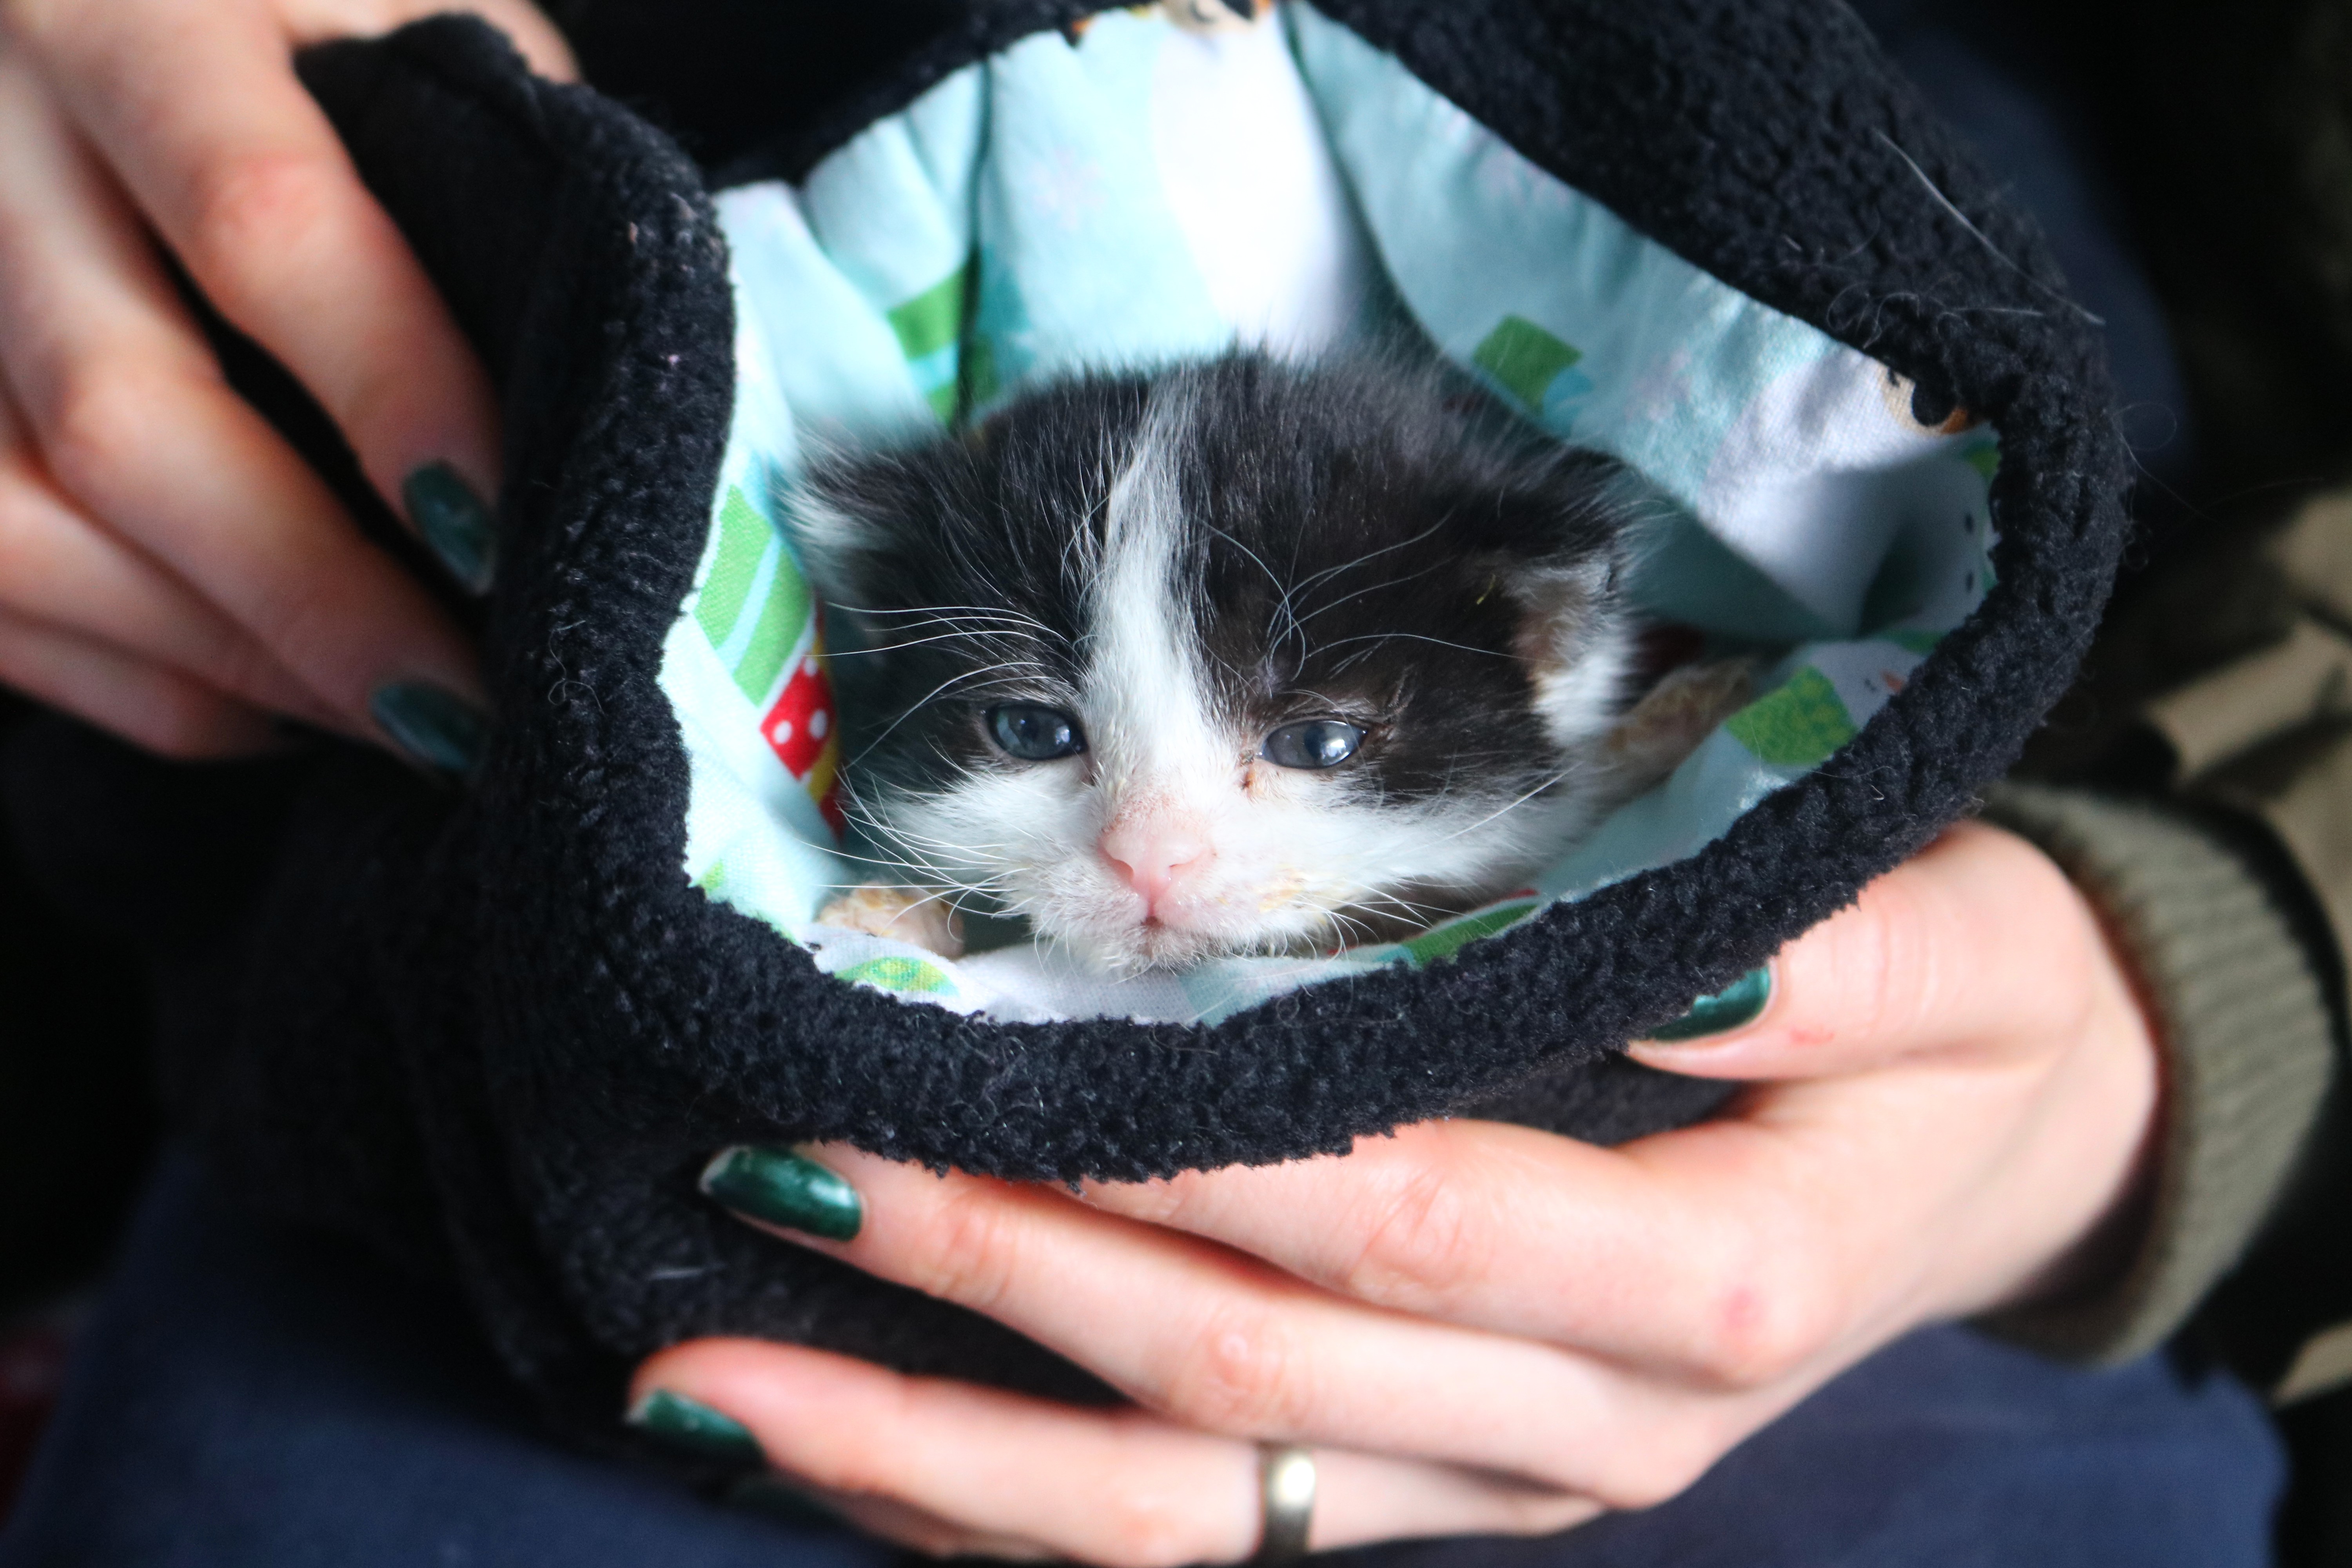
<point x="496" y="1031"/>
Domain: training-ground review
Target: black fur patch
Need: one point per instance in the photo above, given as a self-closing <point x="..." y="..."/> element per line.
<point x="1362" y="540"/>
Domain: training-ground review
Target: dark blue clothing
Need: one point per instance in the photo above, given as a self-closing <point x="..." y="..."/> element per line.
<point x="247" y="1397"/>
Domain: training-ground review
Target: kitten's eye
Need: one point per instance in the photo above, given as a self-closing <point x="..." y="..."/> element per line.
<point x="1035" y="734"/>
<point x="1315" y="744"/>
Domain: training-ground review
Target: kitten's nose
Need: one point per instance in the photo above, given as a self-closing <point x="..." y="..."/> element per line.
<point x="1152" y="853"/>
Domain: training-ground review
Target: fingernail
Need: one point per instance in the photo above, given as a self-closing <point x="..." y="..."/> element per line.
<point x="780" y="1188"/>
<point x="1733" y="1008"/>
<point x="455" y="524"/>
<point x="767" y="1494"/>
<point x="437" y="727"/>
<point x="692" y="1425"/>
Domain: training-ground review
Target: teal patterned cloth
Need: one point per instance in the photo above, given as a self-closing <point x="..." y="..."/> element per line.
<point x="1141" y="193"/>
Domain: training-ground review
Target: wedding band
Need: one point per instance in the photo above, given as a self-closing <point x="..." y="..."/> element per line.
<point x="1286" y="1475"/>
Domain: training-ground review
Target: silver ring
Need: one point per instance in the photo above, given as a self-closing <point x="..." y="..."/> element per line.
<point x="1286" y="1477"/>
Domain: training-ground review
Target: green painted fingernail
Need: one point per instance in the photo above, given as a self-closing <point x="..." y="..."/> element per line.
<point x="690" y="1425"/>
<point x="437" y="727"/>
<point x="453" y="520"/>
<point x="780" y="1188"/>
<point x="1733" y="1008"/>
<point x="778" y="1501"/>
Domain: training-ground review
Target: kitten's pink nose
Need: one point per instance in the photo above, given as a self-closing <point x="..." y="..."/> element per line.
<point x="1154" y="853"/>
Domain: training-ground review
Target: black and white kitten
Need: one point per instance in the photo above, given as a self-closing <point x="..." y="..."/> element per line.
<point x="1242" y="656"/>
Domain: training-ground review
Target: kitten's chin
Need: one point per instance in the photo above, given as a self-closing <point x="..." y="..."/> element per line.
<point x="1133" y="949"/>
<point x="1138" y="947"/>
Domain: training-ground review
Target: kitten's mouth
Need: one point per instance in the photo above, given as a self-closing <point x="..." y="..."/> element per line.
<point x="1155" y="942"/>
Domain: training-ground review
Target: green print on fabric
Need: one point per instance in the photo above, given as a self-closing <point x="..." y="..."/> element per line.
<point x="1524" y="359"/>
<point x="742" y="540"/>
<point x="928" y="328"/>
<point x="782" y="621"/>
<point x="1446" y="941"/>
<point x="1984" y="457"/>
<point x="900" y="975"/>
<point x="932" y="320"/>
<point x="746" y="544"/>
<point x="1796" y="727"/>
<point x="714" y="881"/>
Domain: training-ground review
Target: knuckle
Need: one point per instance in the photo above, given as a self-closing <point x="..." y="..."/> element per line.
<point x="95" y="419"/>
<point x="259" y="205"/>
<point x="1885" y="960"/>
<point x="239" y="664"/>
<point x="1245" y="1375"/>
<point x="24" y="558"/>
<point x="1762" y="1320"/>
<point x="1141" y="1527"/>
<point x="1422" y="1244"/>
<point x="315" y="627"/>
<point x="971" y="1255"/>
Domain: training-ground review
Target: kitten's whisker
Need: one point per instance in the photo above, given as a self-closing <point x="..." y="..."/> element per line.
<point x="982" y="614"/>
<point x="1282" y="602"/>
<point x="1508" y="806"/>
<point x="1376" y="554"/>
<point x="909" y="835"/>
<point x="934" y="693"/>
<point x="1417" y="911"/>
<point x="915" y="642"/>
<point x="1377" y="587"/>
<point x="1416" y="636"/>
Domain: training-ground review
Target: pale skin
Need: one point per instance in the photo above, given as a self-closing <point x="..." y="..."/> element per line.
<point x="168" y="568"/>
<point x="1482" y="1327"/>
<point x="1477" y="1327"/>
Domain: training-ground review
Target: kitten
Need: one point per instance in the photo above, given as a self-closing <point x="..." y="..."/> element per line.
<point x="1240" y="656"/>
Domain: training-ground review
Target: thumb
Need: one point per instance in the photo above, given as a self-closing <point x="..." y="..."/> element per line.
<point x="1977" y="942"/>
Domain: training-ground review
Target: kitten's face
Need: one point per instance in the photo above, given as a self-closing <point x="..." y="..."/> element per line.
<point x="1242" y="658"/>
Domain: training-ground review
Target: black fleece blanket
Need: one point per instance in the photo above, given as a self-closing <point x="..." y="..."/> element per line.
<point x="495" y="1031"/>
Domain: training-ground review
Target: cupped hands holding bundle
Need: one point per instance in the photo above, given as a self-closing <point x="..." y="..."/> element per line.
<point x="1482" y="1326"/>
<point x="168" y="568"/>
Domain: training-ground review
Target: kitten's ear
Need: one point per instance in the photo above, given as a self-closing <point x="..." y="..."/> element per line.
<point x="853" y="518"/>
<point x="1565" y="602"/>
<point x="1559" y="542"/>
<point x="1574" y="638"/>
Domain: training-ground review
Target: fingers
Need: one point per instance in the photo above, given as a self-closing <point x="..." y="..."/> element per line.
<point x="952" y="1467"/>
<point x="198" y="112"/>
<point x="144" y="702"/>
<point x="1217" y="1341"/>
<point x="1824" y="1217"/>
<point x="1978" y="942"/>
<point x="61" y="567"/>
<point x="1710" y="1261"/>
<point x="135" y="424"/>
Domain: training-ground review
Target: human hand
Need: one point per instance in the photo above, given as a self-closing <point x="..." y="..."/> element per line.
<point x="168" y="568"/>
<point x="1481" y="1328"/>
